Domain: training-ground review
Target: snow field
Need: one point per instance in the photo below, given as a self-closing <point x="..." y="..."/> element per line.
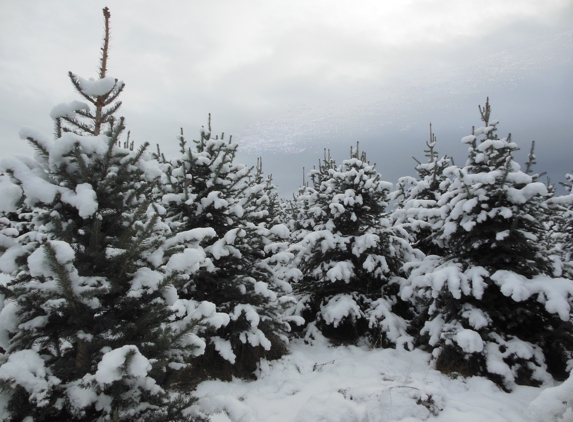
<point x="323" y="383"/>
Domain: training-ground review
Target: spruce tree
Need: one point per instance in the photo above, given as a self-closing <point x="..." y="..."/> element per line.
<point x="416" y="208"/>
<point x="205" y="187"/>
<point x="561" y="232"/>
<point x="494" y="308"/>
<point x="93" y="327"/>
<point x="348" y="254"/>
<point x="568" y="225"/>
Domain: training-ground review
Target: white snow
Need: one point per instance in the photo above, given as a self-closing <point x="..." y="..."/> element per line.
<point x="224" y="348"/>
<point x="10" y="195"/>
<point x="34" y="183"/>
<point x="213" y="198"/>
<point x="521" y="196"/>
<point x="145" y="280"/>
<point x="380" y="313"/>
<point x="26" y="368"/>
<point x="68" y="109"/>
<point x="84" y="199"/>
<point x="320" y="382"/>
<point x="280" y="230"/>
<point x="8" y="323"/>
<point x="125" y="361"/>
<point x="364" y="242"/>
<point x="250" y="314"/>
<point x="343" y="270"/>
<point x="98" y="87"/>
<point x="556" y="292"/>
<point x="193" y="235"/>
<point x="339" y="307"/>
<point x="35" y="188"/>
<point x="188" y="260"/>
<point x="27" y="132"/>
<point x="469" y="341"/>
<point x="475" y="317"/>
<point x="468" y="139"/>
<point x="38" y="261"/>
<point x="554" y="402"/>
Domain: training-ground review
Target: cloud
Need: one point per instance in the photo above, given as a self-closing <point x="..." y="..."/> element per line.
<point x="283" y="76"/>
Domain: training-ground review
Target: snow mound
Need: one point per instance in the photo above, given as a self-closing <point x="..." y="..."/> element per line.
<point x="338" y="308"/>
<point x="469" y="341"/>
<point x="555" y="402"/>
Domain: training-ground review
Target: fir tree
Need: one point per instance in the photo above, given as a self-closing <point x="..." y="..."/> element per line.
<point x="347" y="253"/>
<point x="494" y="309"/>
<point x="206" y="188"/>
<point x="93" y="327"/>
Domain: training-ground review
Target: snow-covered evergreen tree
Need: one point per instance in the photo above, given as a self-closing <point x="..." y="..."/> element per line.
<point x="91" y="322"/>
<point x="568" y="225"/>
<point x="494" y="308"/>
<point x="562" y="228"/>
<point x="206" y="188"/>
<point x="347" y="253"/>
<point x="416" y="208"/>
<point x="263" y="206"/>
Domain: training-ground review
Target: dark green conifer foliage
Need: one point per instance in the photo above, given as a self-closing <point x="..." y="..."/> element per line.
<point x="264" y="206"/>
<point x="87" y="291"/>
<point x="568" y="229"/>
<point x="561" y="229"/>
<point x="205" y="187"/>
<point x="488" y="313"/>
<point x="505" y="231"/>
<point x="416" y="208"/>
<point x="347" y="254"/>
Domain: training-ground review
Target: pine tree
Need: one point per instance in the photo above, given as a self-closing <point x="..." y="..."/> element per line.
<point x="206" y="188"/>
<point x="417" y="208"/>
<point x="494" y="309"/>
<point x="93" y="327"/>
<point x="347" y="254"/>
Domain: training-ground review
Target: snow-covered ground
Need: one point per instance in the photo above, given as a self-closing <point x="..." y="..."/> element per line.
<point x="320" y="382"/>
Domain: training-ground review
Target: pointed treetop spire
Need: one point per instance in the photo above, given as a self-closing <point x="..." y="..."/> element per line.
<point x="485" y="112"/>
<point x="105" y="47"/>
<point x="431" y="144"/>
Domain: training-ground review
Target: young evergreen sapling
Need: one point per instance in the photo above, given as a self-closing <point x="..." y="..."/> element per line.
<point x="493" y="307"/>
<point x="416" y="208"/>
<point x="205" y="187"/>
<point x="348" y="254"/>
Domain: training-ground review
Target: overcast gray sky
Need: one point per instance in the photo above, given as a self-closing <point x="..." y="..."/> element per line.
<point x="289" y="78"/>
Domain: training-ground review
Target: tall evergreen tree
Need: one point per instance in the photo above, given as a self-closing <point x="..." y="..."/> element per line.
<point x="206" y="188"/>
<point x="347" y="253"/>
<point x="93" y="328"/>
<point x="494" y="308"/>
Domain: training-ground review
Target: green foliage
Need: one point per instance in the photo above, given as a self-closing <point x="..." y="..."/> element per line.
<point x="206" y="188"/>
<point x="347" y="253"/>
<point x="485" y="304"/>
<point x="416" y="201"/>
<point x="93" y="325"/>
